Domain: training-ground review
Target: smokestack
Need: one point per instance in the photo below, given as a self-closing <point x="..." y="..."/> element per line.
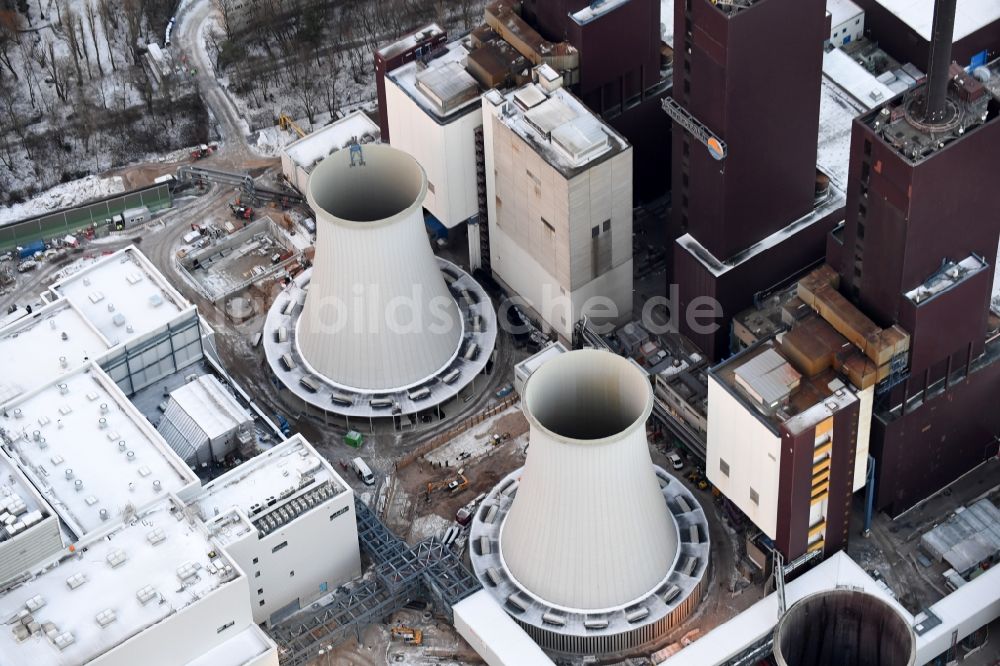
<point x="378" y="315"/>
<point x="937" y="79"/>
<point x="589" y="528"/>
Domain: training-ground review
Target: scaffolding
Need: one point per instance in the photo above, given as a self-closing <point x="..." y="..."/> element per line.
<point x="402" y="573"/>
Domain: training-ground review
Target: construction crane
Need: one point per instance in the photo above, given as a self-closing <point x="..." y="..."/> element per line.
<point x="408" y="634"/>
<point x="716" y="146"/>
<point x="285" y="122"/>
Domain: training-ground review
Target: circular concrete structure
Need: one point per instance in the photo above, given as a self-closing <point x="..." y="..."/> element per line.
<point x="378" y="326"/>
<point x="844" y="627"/>
<point x="590" y="547"/>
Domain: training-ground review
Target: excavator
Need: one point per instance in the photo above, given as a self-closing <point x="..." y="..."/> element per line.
<point x="408" y="634"/>
<point x="453" y="486"/>
<point x="285" y="122"/>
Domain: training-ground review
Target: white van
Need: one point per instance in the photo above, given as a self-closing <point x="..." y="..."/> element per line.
<point x="363" y="471"/>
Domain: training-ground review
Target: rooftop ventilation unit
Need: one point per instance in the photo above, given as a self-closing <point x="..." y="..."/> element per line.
<point x="588" y="528"/>
<point x="372" y="252"/>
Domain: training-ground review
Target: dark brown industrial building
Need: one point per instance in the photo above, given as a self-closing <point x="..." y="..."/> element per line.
<point x="905" y="44"/>
<point x="755" y="84"/>
<point x="917" y="249"/>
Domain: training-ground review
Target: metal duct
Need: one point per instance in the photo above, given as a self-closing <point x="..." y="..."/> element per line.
<point x="378" y="315"/>
<point x="588" y="528"/>
<point x="940" y="61"/>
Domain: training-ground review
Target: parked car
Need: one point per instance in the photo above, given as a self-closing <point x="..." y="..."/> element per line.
<point x="675" y="460"/>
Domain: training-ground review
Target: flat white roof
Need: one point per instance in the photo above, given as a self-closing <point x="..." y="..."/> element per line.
<point x="857" y="81"/>
<point x="970" y="15"/>
<point x="311" y="148"/>
<point x="73" y="445"/>
<point x="241" y="649"/>
<point x="154" y="547"/>
<point x="841" y="11"/>
<point x="32" y="348"/>
<point x="405" y="77"/>
<point x="287" y="468"/>
<point x="123" y="296"/>
<point x="837" y="110"/>
<point x="493" y="634"/>
<point x="532" y="363"/>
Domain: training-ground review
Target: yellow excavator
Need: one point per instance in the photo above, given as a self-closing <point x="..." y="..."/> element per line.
<point x="285" y="122"/>
<point x="408" y="634"/>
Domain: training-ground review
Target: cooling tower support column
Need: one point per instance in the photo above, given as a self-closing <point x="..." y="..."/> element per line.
<point x="590" y="547"/>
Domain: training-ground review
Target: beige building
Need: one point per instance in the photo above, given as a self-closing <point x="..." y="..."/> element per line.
<point x="559" y="196"/>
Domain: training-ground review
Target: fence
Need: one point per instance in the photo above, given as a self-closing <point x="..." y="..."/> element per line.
<point x="69" y="220"/>
<point x="468" y="423"/>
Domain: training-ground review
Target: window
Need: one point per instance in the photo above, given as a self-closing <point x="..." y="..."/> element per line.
<point x="256" y="574"/>
<point x="607" y="225"/>
<point x="868" y="147"/>
<point x="723" y="467"/>
<point x="499" y="202"/>
<point x="260" y="591"/>
<point x="291" y="574"/>
<point x="279" y="546"/>
<point x="754" y="497"/>
<point x="594" y="232"/>
<point x="260" y="603"/>
<point x="339" y="512"/>
<point x="861" y="232"/>
<point x="256" y="559"/>
<point x="687" y="86"/>
<point x="225" y="626"/>
<point x="686" y="148"/>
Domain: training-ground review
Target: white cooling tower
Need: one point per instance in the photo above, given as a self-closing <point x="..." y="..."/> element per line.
<point x="589" y="528"/>
<point x="378" y="315"/>
<point x="590" y="547"/>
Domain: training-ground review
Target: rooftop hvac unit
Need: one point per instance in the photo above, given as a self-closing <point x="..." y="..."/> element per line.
<point x="377" y="314"/>
<point x="588" y="528"/>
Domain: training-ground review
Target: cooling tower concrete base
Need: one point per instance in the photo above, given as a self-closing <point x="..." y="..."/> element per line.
<point x="844" y="628"/>
<point x="591" y="548"/>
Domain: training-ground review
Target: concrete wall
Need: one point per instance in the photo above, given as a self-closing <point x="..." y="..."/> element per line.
<point x="321" y="552"/>
<point x="446" y="152"/>
<point x="753" y="453"/>
<point x="541" y="229"/>
<point x="187" y="634"/>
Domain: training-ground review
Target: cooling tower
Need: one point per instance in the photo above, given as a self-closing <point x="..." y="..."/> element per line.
<point x="844" y="628"/>
<point x="378" y="315"/>
<point x="589" y="528"/>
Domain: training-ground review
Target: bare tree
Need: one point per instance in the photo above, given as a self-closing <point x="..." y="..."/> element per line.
<point x="56" y="72"/>
<point x="91" y="14"/>
<point x="9" y="23"/>
<point x="74" y="43"/>
<point x="133" y="26"/>
<point x="109" y="23"/>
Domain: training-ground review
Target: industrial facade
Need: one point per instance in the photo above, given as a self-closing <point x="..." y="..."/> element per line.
<point x="559" y="196"/>
<point x="761" y="198"/>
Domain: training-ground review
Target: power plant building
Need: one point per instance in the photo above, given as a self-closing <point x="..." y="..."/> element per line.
<point x="559" y="196"/>
<point x="300" y="157"/>
<point x="589" y="547"/>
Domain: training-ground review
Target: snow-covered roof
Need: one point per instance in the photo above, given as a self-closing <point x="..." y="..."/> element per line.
<point x="857" y="81"/>
<point x="35" y="347"/>
<point x="313" y="147"/>
<point x="409" y="41"/>
<point x="118" y="586"/>
<point x="87" y="449"/>
<point x="210" y="406"/>
<point x="263" y="483"/>
<point x="405" y="77"/>
<point x="842" y="10"/>
<point x="837" y="110"/>
<point x="557" y="125"/>
<point x="950" y="274"/>
<point x="493" y="634"/>
<point x="18" y="498"/>
<point x="532" y="363"/>
<point x="970" y="15"/>
<point x="123" y="296"/>
<point x="243" y="648"/>
<point x="596" y="10"/>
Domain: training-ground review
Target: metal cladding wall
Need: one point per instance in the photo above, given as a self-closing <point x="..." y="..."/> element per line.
<point x="904" y="44"/>
<point x="735" y="289"/>
<point x="906" y="209"/>
<point x="765" y="109"/>
<point x="377" y="315"/>
<point x="588" y="529"/>
<point x="931" y="445"/>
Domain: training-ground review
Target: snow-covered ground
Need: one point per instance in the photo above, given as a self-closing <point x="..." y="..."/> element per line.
<point x="68" y="194"/>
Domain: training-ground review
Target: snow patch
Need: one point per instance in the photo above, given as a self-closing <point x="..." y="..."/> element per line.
<point x="65" y="195"/>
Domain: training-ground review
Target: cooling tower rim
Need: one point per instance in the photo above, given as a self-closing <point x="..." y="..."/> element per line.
<point x="359" y="400"/>
<point x="615" y="616"/>
<point x="328" y="167"/>
<point x="579" y="358"/>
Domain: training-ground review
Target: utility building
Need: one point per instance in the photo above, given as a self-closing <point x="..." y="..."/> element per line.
<point x="749" y="208"/>
<point x="203" y="423"/>
<point x="920" y="235"/>
<point x="559" y="195"/>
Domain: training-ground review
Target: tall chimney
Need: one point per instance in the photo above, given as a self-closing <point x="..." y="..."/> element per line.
<point x="940" y="61"/>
